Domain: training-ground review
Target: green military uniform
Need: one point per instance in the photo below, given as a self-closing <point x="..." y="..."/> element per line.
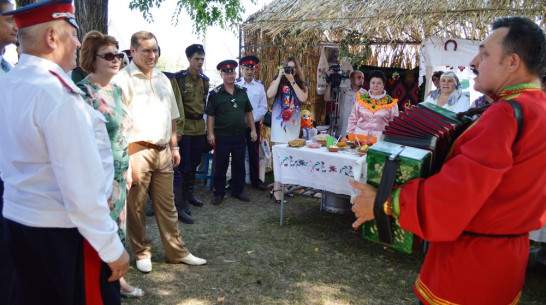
<point x="193" y="90"/>
<point x="229" y="111"/>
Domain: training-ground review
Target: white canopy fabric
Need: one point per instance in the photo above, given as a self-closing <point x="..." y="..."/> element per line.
<point x="440" y="51"/>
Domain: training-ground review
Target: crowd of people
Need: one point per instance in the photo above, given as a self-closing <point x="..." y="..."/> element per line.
<point x="80" y="159"/>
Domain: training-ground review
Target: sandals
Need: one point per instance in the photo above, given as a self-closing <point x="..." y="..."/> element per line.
<point x="136" y="293"/>
<point x="271" y="195"/>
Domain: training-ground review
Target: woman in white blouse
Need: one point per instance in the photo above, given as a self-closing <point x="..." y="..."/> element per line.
<point x="451" y="95"/>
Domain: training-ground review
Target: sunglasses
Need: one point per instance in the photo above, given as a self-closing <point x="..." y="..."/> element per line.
<point x="111" y="56"/>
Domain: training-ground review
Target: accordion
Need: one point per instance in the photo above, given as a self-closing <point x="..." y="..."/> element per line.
<point x="413" y="145"/>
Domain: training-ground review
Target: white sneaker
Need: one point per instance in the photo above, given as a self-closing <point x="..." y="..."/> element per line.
<point x="192" y="260"/>
<point x="144" y="265"/>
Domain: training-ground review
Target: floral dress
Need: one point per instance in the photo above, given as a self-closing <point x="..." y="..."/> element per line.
<point x="285" y="116"/>
<point x="118" y="125"/>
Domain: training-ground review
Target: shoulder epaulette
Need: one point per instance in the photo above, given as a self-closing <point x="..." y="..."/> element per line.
<point x="71" y="89"/>
<point x="238" y="79"/>
<point x="240" y="87"/>
<point x="178" y="74"/>
<point x="260" y="82"/>
<point x="215" y="90"/>
<point x="205" y="77"/>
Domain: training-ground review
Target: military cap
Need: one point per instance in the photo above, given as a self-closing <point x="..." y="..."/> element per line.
<point x="227" y="65"/>
<point x="194" y="48"/>
<point x="249" y="61"/>
<point x="42" y="12"/>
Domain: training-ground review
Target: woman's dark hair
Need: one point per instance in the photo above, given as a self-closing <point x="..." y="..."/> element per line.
<point x="92" y="42"/>
<point x="378" y="74"/>
<point x="526" y="39"/>
<point x="298" y="74"/>
<point x="437" y="74"/>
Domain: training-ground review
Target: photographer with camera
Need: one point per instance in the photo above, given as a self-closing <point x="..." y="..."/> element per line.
<point x="346" y="98"/>
<point x="289" y="90"/>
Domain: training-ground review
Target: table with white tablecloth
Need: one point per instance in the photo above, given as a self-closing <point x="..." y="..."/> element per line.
<point x="317" y="168"/>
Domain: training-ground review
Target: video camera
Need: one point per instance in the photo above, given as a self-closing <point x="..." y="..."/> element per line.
<point x="288" y="70"/>
<point x="335" y="78"/>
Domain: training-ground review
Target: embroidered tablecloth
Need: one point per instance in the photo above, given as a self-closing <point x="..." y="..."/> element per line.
<point x="318" y="168"/>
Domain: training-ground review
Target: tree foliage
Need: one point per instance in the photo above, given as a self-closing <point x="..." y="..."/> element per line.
<point x="204" y="13"/>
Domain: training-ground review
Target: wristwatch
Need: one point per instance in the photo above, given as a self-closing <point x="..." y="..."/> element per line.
<point x="175" y="148"/>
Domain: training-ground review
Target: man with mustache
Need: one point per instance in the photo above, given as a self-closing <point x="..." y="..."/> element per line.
<point x="56" y="162"/>
<point x="478" y="210"/>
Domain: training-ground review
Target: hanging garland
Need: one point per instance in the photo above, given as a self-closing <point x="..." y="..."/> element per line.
<point x="355" y="39"/>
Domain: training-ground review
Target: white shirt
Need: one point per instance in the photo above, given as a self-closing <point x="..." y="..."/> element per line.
<point x="50" y="156"/>
<point x="151" y="102"/>
<point x="256" y="94"/>
<point x="346" y="104"/>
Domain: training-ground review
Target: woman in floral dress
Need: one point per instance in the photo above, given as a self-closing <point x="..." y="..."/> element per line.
<point x="289" y="90"/>
<point x="100" y="58"/>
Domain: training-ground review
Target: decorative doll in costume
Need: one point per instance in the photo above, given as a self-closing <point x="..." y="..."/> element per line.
<point x="307" y="129"/>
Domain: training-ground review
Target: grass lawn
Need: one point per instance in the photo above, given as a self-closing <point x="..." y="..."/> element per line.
<point x="315" y="258"/>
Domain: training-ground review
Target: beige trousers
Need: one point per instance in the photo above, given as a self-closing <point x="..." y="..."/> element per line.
<point x="152" y="170"/>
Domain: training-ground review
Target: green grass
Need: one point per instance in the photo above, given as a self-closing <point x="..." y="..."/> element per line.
<point x="315" y="258"/>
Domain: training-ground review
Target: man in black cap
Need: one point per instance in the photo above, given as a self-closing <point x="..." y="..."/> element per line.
<point x="256" y="94"/>
<point x="57" y="164"/>
<point x="228" y="108"/>
<point x="194" y="87"/>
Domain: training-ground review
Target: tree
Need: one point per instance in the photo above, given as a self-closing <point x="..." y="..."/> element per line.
<point x="204" y="13"/>
<point x="91" y="15"/>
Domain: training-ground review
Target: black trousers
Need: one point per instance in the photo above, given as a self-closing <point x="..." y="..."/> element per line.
<point x="7" y="274"/>
<point x="57" y="266"/>
<point x="253" y="155"/>
<point x="191" y="149"/>
<point x="226" y="146"/>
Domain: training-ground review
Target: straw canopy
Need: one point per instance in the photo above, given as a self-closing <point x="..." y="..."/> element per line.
<point x="384" y="33"/>
<point x="388" y="20"/>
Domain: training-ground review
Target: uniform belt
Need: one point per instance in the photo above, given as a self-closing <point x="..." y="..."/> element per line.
<point x="493" y="235"/>
<point x="150" y="145"/>
<point x="193" y="117"/>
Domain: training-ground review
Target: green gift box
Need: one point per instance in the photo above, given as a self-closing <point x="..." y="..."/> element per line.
<point x="414" y="163"/>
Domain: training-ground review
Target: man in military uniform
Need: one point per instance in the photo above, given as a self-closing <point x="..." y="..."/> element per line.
<point x="227" y="110"/>
<point x="57" y="164"/>
<point x="256" y="94"/>
<point x="194" y="87"/>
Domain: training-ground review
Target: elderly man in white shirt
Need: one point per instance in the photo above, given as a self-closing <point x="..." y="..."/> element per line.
<point x="256" y="94"/>
<point x="56" y="163"/>
<point x="153" y="153"/>
<point x="347" y="99"/>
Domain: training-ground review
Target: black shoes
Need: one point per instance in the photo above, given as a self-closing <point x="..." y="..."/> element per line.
<point x="217" y="200"/>
<point x="184" y="217"/>
<point x="194" y="201"/>
<point x="241" y="197"/>
<point x="260" y="185"/>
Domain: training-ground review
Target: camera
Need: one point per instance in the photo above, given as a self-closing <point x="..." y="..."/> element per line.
<point x="336" y="77"/>
<point x="288" y="70"/>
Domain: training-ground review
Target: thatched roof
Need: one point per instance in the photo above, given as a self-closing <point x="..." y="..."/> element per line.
<point x="388" y="20"/>
<point x="392" y="28"/>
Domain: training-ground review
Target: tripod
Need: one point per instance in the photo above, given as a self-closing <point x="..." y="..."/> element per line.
<point x="334" y="111"/>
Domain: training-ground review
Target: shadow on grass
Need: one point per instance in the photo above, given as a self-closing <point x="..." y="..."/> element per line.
<point x="315" y="258"/>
